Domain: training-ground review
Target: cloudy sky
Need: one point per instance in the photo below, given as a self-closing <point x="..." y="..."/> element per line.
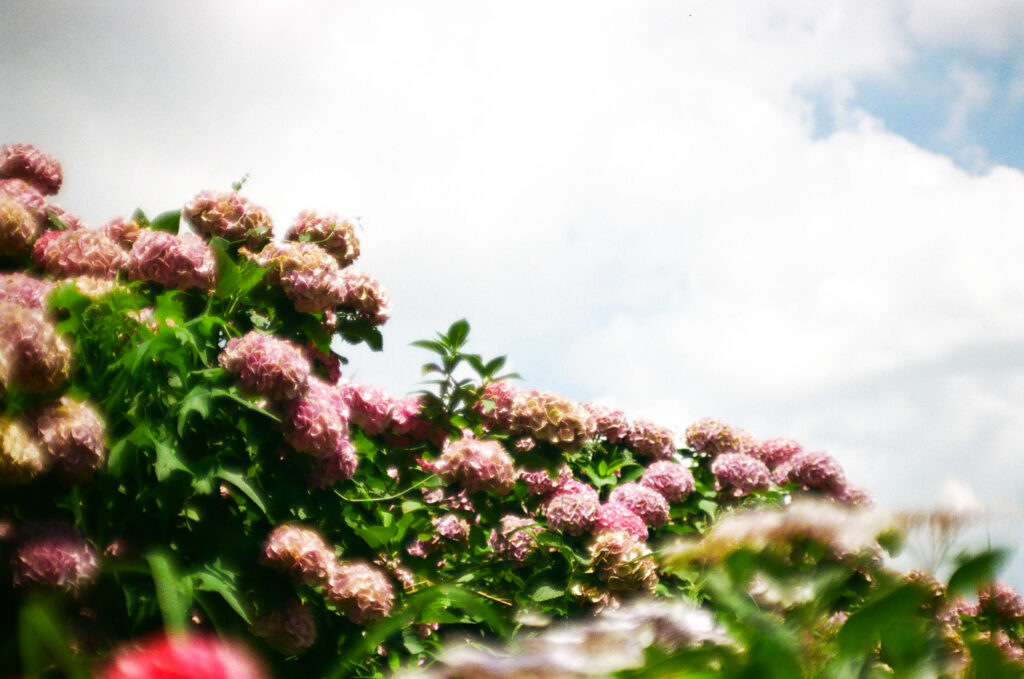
<point x="805" y="218"/>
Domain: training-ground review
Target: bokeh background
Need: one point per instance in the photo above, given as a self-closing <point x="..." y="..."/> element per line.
<point x="804" y="218"/>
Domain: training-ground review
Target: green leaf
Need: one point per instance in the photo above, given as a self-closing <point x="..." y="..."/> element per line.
<point x="356" y="331"/>
<point x="242" y="483"/>
<point x="457" y="333"/>
<point x="173" y="594"/>
<point x="430" y="345"/>
<point x="215" y="578"/>
<point x="196" y="401"/>
<point x="167" y="461"/>
<point x="975" y="571"/>
<point x="546" y="593"/>
<point x="42" y="642"/>
<point x="167" y="221"/>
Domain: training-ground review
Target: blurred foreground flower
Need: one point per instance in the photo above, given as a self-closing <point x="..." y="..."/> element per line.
<point x="614" y="641"/>
<point x="185" y="657"/>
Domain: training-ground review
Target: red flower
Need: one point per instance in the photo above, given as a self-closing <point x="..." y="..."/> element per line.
<point x="186" y="657"/>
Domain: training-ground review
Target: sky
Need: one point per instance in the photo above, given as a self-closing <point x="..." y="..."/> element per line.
<point x="804" y="218"/>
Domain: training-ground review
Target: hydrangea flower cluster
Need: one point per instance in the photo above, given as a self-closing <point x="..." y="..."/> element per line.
<point x="308" y="275"/>
<point x="571" y="508"/>
<point x="316" y="423"/>
<point x="182" y="657"/>
<point x="21" y="457"/>
<point x="614" y="516"/>
<point x="174" y="261"/>
<point x="72" y="433"/>
<point x="550" y="418"/>
<point x="712" y="437"/>
<point x="774" y="452"/>
<point x="26" y="162"/>
<point x="515" y="539"/>
<point x="816" y="469"/>
<point x="623" y="562"/>
<point x="289" y="629"/>
<point x="361" y="590"/>
<point x="122" y="231"/>
<point x="38" y="357"/>
<point x="648" y="504"/>
<point x="495" y="405"/>
<point x="452" y="527"/>
<point x="477" y="465"/>
<point x="25" y="290"/>
<point x="539" y="481"/>
<point x="365" y="296"/>
<point x="1003" y="601"/>
<point x="19" y="228"/>
<point x="81" y="252"/>
<point x="274" y="368"/>
<point x="741" y="472"/>
<point x="335" y="235"/>
<point x="648" y="439"/>
<point x="371" y="407"/>
<point x="299" y="551"/>
<point x="53" y="555"/>
<point x="672" y="480"/>
<point x="610" y="423"/>
<point x="230" y="216"/>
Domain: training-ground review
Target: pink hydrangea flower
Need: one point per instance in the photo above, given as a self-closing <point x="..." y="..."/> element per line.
<point x="565" y="483"/>
<point x="571" y="511"/>
<point x="612" y="424"/>
<point x="65" y="221"/>
<point x="22" y="458"/>
<point x="712" y="437"/>
<point x="459" y="501"/>
<point x="672" y="480"/>
<point x="503" y="396"/>
<point x="740" y="472"/>
<point x="362" y="591"/>
<point x="81" y="252"/>
<point x="38" y="358"/>
<point x="289" y="629"/>
<point x="622" y="561"/>
<point x="230" y="216"/>
<point x="647" y="439"/>
<point x="648" y="504"/>
<point x="307" y="274"/>
<point x="72" y="433"/>
<point x="774" y="452"/>
<point x="515" y="539"/>
<point x="370" y="406"/>
<point x="28" y="163"/>
<point x="477" y="465"/>
<point x="122" y="231"/>
<point x="184" y="657"/>
<point x="540" y="482"/>
<point x="550" y="418"/>
<point x="330" y="232"/>
<point x="19" y="228"/>
<point x="28" y="196"/>
<point x="817" y="470"/>
<point x="300" y="551"/>
<point x="452" y="527"/>
<point x="181" y="262"/>
<point x="1003" y="601"/>
<point x="616" y="516"/>
<point x="25" y="290"/>
<point x="316" y="423"/>
<point x="780" y="475"/>
<point x="54" y="555"/>
<point x="365" y="296"/>
<point x="853" y="496"/>
<point x="275" y="368"/>
<point x="340" y="466"/>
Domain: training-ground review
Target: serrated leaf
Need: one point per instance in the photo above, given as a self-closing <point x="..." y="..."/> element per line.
<point x="196" y="401"/>
<point x="167" y="461"/>
<point x="546" y="593"/>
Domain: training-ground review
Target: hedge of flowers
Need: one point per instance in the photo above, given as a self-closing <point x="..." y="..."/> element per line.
<point x="189" y="479"/>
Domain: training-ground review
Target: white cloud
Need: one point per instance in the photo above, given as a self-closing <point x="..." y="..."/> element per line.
<point x="987" y="25"/>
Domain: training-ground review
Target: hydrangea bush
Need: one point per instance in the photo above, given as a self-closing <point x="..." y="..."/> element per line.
<point x="189" y="479"/>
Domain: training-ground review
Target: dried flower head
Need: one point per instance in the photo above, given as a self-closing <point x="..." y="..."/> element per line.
<point x="647" y="439"/>
<point x="740" y="472"/>
<point x="330" y="232"/>
<point x="230" y="216"/>
<point x="648" y="504"/>
<point x="53" y="555"/>
<point x="712" y="437"/>
<point x="275" y="368"/>
<point x="289" y="629"/>
<point x="39" y="359"/>
<point x="623" y="562"/>
<point x="515" y="539"/>
<point x="122" y="231"/>
<point x="72" y="433"/>
<point x="19" y="228"/>
<point x="477" y="465"/>
<point x="81" y="252"/>
<point x="22" y="458"/>
<point x="365" y="296"/>
<point x="174" y="261"/>
<point x="184" y="657"/>
<point x="614" y="516"/>
<point x="301" y="551"/>
<point x="550" y="418"/>
<point x="28" y="163"/>
<point x="362" y="591"/>
<point x="672" y="480"/>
